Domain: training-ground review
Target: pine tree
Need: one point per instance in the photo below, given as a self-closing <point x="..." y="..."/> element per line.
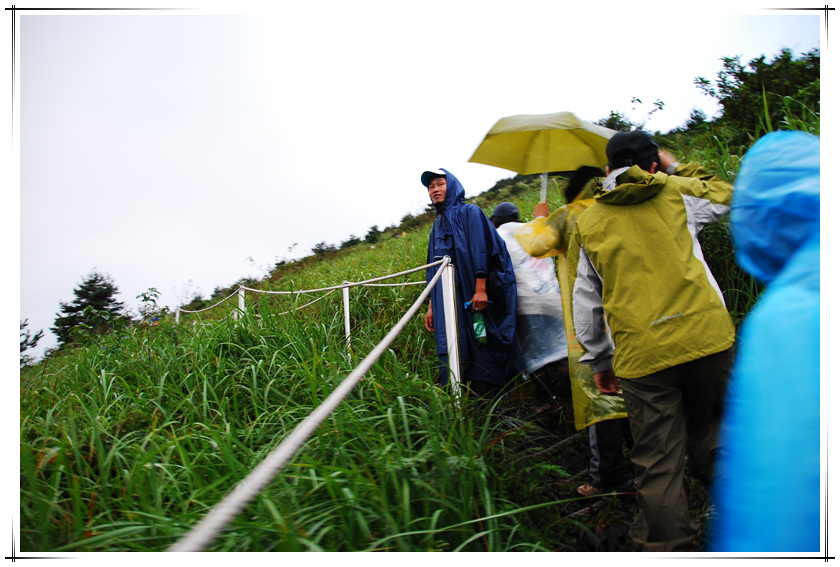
<point x="95" y="309"/>
<point x="27" y="341"/>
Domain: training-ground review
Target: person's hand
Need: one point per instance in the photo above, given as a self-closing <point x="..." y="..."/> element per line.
<point x="541" y="210"/>
<point x="429" y="320"/>
<point x="606" y="382"/>
<point x="479" y="300"/>
<point x="665" y="159"/>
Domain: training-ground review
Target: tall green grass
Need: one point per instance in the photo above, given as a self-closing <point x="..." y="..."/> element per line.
<point x="741" y="291"/>
<point x="127" y="442"/>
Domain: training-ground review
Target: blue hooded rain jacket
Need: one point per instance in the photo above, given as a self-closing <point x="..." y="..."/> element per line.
<point x="767" y="489"/>
<point x="465" y="234"/>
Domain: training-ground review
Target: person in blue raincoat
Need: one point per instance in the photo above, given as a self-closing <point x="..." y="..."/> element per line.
<point x="766" y="494"/>
<point x="484" y="277"/>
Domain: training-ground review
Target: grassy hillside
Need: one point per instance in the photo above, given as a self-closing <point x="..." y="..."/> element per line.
<point x="128" y="439"/>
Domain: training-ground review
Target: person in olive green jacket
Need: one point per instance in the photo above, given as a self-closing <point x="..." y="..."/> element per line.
<point x="651" y="318"/>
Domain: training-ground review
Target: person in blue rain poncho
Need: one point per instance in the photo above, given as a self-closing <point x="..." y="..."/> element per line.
<point x="766" y="493"/>
<point x="484" y="277"/>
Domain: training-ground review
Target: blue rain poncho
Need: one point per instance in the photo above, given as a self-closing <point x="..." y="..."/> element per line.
<point x="767" y="488"/>
<point x="465" y="234"/>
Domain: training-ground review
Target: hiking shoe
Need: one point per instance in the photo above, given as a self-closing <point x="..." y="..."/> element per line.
<point x="545" y="408"/>
<point x="589" y="490"/>
<point x="548" y="410"/>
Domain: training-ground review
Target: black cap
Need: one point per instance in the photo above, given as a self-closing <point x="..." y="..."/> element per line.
<point x="632" y="148"/>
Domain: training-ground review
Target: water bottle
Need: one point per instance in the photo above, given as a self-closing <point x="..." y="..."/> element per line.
<point x="479" y="330"/>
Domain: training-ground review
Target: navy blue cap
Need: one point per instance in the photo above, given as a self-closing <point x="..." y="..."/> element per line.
<point x="505" y="209"/>
<point x="427" y="176"/>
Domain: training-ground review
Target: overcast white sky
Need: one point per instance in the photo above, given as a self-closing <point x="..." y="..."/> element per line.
<point x="198" y="146"/>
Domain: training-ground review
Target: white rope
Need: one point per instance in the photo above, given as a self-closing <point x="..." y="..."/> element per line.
<point x="214" y="522"/>
<point x="212" y="306"/>
<point x="392" y="284"/>
<point x="349" y="284"/>
<point x="302" y="306"/>
<point x="334" y="288"/>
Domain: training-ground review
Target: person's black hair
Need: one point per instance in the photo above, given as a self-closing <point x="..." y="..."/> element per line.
<point x="579" y="179"/>
<point x="628" y="158"/>
<point x="626" y="149"/>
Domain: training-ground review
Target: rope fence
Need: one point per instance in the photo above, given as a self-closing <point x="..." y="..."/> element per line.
<point x="179" y="310"/>
<point x="392" y="284"/>
<point x="203" y="533"/>
<point x="344" y="287"/>
<point x="350" y="284"/>
<point x="313" y="302"/>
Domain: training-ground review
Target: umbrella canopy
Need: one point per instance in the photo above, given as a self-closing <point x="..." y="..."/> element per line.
<point x="539" y="143"/>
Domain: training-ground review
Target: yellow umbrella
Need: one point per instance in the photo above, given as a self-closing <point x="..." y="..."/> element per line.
<point x="539" y="143"/>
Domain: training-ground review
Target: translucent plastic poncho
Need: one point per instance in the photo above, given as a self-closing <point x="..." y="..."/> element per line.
<point x="549" y="236"/>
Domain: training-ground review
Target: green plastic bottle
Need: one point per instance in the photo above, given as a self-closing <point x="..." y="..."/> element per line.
<point x="479" y="329"/>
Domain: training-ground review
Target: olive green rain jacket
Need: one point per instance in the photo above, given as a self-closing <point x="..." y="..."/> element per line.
<point x="550" y="236"/>
<point x="638" y="273"/>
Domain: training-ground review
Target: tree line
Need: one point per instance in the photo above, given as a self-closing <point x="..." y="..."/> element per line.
<point x="94" y="310"/>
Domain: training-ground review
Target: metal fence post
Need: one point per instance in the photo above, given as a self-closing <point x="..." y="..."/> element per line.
<point x="543" y="186"/>
<point x="177" y="316"/>
<point x="241" y="302"/>
<point x="450" y="314"/>
<point x="346" y="292"/>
